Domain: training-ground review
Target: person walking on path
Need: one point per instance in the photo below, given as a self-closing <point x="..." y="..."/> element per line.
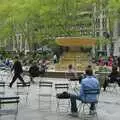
<point x="17" y="67"/>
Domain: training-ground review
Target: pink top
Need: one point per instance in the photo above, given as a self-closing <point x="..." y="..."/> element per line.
<point x="73" y="71"/>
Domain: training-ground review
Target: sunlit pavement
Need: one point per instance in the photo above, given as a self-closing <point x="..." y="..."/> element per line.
<point x="107" y="109"/>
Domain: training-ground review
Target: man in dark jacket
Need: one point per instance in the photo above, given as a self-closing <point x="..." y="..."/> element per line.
<point x="17" y="67"/>
<point x="113" y="77"/>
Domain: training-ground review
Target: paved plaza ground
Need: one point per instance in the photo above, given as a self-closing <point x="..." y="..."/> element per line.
<point x="107" y="109"/>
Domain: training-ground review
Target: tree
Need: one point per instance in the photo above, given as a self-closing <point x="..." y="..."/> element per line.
<point x="40" y="21"/>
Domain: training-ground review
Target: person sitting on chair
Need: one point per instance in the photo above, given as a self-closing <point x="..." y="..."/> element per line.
<point x="88" y="83"/>
<point x="112" y="78"/>
<point x="34" y="71"/>
<point x="43" y="68"/>
<point x="72" y="71"/>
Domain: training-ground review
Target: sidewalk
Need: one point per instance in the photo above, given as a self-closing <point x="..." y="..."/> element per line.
<point x="108" y="107"/>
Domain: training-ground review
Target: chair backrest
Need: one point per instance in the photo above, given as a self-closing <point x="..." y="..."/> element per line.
<point x="9" y="105"/>
<point x="91" y="95"/>
<point x="9" y="100"/>
<point x="91" y="91"/>
<point x="61" y="86"/>
<point x="45" y="84"/>
<point x="19" y="84"/>
<point x="45" y="88"/>
<point x="2" y="84"/>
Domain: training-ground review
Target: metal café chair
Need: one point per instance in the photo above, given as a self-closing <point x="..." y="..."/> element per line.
<point x="23" y="90"/>
<point x="9" y="106"/>
<point x="85" y="104"/>
<point x="62" y="102"/>
<point x="45" y="94"/>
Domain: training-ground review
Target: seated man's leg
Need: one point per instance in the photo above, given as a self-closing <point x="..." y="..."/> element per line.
<point x="92" y="106"/>
<point x="92" y="109"/>
<point x="118" y="82"/>
<point x="73" y="99"/>
<point x="112" y="79"/>
<point x="105" y="84"/>
<point x="80" y="78"/>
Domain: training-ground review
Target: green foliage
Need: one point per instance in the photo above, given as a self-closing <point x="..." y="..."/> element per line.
<point x="114" y="6"/>
<point x="41" y="21"/>
<point x="103" y="41"/>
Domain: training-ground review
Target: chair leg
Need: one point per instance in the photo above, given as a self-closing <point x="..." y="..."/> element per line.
<point x="0" y="117"/>
<point x="80" y="107"/>
<point x="97" y="116"/>
<point x="83" y="114"/>
<point x="39" y="102"/>
<point x="58" y="106"/>
<point x="68" y="106"/>
<point x="27" y="98"/>
<point x="15" y="117"/>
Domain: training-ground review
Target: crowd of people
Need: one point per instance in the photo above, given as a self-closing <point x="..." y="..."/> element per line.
<point x="36" y="68"/>
<point x="108" y="61"/>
